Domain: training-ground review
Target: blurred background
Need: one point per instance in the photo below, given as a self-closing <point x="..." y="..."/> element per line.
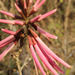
<point x="61" y="24"/>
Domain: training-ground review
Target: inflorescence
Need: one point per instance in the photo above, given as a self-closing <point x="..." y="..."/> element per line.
<point x="46" y="55"/>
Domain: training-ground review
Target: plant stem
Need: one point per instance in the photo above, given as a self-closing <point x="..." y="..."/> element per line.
<point x="24" y="64"/>
<point x="18" y="66"/>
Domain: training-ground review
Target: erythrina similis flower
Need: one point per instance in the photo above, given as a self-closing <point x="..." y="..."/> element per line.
<point x="45" y="54"/>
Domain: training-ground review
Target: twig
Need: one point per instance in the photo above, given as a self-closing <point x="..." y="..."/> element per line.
<point x="18" y="66"/>
<point x="24" y="64"/>
<point x="66" y="26"/>
<point x="66" y="29"/>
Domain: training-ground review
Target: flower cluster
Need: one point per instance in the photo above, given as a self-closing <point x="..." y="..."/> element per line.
<point x="46" y="55"/>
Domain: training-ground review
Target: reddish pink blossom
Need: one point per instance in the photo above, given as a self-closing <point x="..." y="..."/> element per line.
<point x="12" y="22"/>
<point x="46" y="55"/>
<point x="7" y="39"/>
<point x="35" y="57"/>
<point x="6" y="43"/>
<point x="11" y="15"/>
<point x="47" y="14"/>
<point x="49" y="59"/>
<point x="9" y="32"/>
<point x="48" y="50"/>
<point x="43" y="32"/>
<point x="7" y="50"/>
<point x="42" y="57"/>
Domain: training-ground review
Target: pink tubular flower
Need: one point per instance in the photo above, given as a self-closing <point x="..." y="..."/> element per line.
<point x="43" y="32"/>
<point x="12" y="40"/>
<point x="9" y="32"/>
<point x="47" y="56"/>
<point x="11" y="15"/>
<point x="35" y="57"/>
<point x="36" y="6"/>
<point x="49" y="59"/>
<point x="7" y="39"/>
<point x="48" y="50"/>
<point x="6" y="43"/>
<point x="7" y="50"/>
<point x="42" y="57"/>
<point x="47" y="14"/>
<point x="11" y="22"/>
<point x="29" y="4"/>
